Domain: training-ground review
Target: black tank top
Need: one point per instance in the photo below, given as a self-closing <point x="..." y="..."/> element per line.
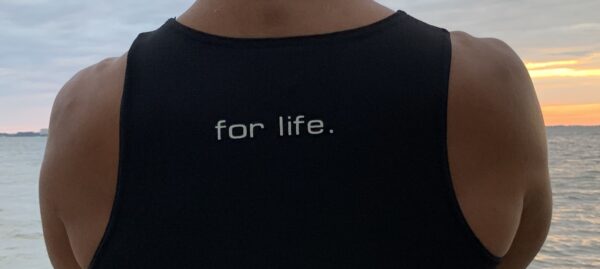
<point x="314" y="151"/>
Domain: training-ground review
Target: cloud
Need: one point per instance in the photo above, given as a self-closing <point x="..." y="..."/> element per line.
<point x="564" y="72"/>
<point x="51" y="40"/>
<point x="43" y="42"/>
<point x="550" y="64"/>
<point x="557" y="68"/>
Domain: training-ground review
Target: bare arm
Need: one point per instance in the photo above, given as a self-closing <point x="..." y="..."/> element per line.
<point x="54" y="179"/>
<point x="77" y="177"/>
<point x="537" y="201"/>
<point x="535" y="222"/>
<point x="531" y="164"/>
<point x="498" y="140"/>
<point x="57" y="241"/>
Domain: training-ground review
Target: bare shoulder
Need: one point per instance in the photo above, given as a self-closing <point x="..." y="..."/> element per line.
<point x="487" y="60"/>
<point x="79" y="159"/>
<point x="497" y="148"/>
<point x="493" y="96"/>
<point x="86" y="89"/>
<point x="83" y="113"/>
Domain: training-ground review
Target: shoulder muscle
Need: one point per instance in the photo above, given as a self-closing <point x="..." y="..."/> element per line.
<point x="81" y="112"/>
<point x="497" y="125"/>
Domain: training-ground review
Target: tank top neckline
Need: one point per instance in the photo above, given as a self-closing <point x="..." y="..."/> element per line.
<point x="334" y="36"/>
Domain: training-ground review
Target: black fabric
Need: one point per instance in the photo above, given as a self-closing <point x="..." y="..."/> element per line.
<point x="364" y="183"/>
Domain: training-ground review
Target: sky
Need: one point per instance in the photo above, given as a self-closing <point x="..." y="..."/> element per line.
<point x="44" y="43"/>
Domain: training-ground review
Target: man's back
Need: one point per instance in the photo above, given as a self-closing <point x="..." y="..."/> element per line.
<point x="496" y="150"/>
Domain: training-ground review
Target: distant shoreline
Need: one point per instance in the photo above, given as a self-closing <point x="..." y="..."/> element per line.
<point x="44" y="132"/>
<point x="23" y="134"/>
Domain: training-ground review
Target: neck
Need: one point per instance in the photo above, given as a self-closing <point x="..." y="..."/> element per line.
<point x="270" y="18"/>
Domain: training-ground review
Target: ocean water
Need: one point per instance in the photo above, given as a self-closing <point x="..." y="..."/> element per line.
<point x="21" y="239"/>
<point x="573" y="242"/>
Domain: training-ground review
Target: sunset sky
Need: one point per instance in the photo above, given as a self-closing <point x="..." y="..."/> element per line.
<point x="43" y="43"/>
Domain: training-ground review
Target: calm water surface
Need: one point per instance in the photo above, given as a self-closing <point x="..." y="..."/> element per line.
<point x="574" y="240"/>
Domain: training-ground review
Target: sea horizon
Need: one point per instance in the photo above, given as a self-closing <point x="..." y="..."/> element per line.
<point x="573" y="241"/>
<point x="12" y="133"/>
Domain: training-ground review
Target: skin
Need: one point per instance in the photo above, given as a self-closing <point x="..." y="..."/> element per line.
<point x="496" y="137"/>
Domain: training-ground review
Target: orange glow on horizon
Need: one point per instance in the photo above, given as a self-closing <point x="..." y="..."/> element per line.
<point x="585" y="114"/>
<point x="557" y="69"/>
<point x="550" y="64"/>
<point x="564" y="72"/>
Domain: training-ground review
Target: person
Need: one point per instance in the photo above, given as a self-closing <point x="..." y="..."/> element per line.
<point x="298" y="134"/>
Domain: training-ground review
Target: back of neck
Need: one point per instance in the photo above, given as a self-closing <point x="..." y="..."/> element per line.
<point x="238" y="18"/>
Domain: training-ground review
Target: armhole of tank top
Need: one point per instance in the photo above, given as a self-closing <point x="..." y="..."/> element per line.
<point x="116" y="200"/>
<point x="453" y="199"/>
